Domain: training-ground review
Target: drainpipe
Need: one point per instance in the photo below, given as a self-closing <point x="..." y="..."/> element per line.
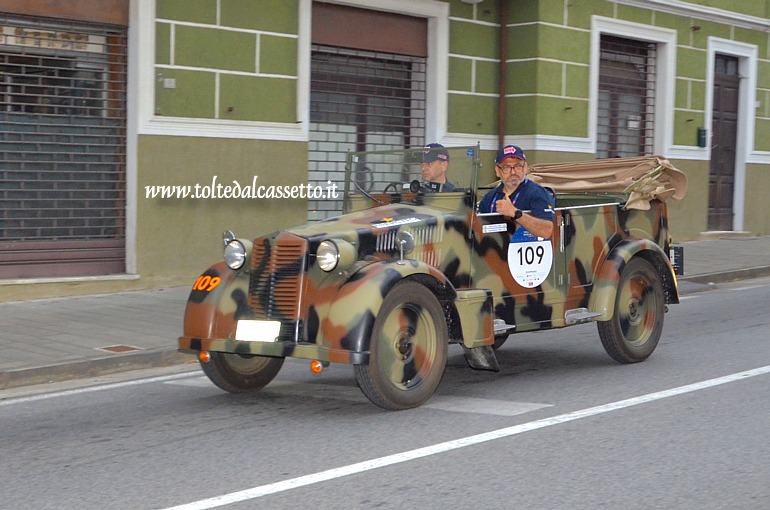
<point x="503" y="83"/>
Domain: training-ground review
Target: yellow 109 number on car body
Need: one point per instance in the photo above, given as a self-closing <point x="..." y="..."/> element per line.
<point x="206" y="283"/>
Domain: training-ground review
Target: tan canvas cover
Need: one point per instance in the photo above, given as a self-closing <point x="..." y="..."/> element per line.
<point x="642" y="179"/>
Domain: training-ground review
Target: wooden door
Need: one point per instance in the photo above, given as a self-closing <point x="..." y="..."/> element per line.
<point x="724" y="129"/>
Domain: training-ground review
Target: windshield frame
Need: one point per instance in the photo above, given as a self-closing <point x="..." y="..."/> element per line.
<point x="391" y="176"/>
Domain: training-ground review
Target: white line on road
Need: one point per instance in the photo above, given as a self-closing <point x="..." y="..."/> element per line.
<point x="90" y="389"/>
<point x="331" y="474"/>
<point x="749" y="287"/>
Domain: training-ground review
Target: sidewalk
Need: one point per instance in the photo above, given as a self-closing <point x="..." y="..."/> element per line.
<point x="67" y="338"/>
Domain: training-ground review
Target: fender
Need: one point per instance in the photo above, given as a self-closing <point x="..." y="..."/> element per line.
<point x="365" y="292"/>
<point x="218" y="298"/>
<point x="605" y="286"/>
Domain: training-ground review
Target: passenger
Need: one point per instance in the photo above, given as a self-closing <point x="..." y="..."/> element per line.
<point x="435" y="162"/>
<point x="516" y="193"/>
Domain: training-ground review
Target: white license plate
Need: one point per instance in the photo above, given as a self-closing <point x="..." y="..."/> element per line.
<point x="257" y="331"/>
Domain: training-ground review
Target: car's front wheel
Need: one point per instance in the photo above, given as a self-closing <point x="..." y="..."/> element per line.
<point x="240" y="374"/>
<point x="634" y="330"/>
<point x="408" y="349"/>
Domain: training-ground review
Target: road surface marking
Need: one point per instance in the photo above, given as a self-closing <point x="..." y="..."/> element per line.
<point x="398" y="458"/>
<point x="91" y="389"/>
<point x="749" y="287"/>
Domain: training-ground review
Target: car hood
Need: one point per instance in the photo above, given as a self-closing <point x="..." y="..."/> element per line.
<point x="375" y="221"/>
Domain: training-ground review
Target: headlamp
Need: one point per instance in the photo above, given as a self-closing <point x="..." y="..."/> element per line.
<point x="235" y="254"/>
<point x="327" y="255"/>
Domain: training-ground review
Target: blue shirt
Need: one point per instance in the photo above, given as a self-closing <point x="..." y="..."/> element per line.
<point x="529" y="196"/>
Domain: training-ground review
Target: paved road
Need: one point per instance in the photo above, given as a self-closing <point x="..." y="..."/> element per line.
<point x="561" y="426"/>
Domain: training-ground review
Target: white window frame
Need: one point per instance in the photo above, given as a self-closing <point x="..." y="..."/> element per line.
<point x="436" y="79"/>
<point x="665" y="78"/>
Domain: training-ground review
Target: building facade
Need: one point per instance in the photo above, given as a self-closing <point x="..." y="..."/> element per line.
<point x="133" y="132"/>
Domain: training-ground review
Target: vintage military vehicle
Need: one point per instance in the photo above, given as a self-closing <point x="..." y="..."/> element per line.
<point x="405" y="271"/>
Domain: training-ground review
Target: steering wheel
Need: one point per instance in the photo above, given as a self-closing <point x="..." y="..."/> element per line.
<point x="394" y="185"/>
<point x="362" y="176"/>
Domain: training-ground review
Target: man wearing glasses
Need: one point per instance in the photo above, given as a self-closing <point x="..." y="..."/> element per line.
<point x="516" y="194"/>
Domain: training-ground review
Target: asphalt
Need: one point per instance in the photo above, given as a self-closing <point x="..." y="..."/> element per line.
<point x="54" y="340"/>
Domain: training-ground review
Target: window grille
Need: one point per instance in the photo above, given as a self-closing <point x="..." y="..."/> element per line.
<point x="62" y="148"/>
<point x="360" y="100"/>
<point x="625" y="124"/>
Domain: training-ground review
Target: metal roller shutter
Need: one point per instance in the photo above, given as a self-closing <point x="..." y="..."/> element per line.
<point x="626" y="98"/>
<point x="360" y="101"/>
<point x="367" y="90"/>
<point x="62" y="148"/>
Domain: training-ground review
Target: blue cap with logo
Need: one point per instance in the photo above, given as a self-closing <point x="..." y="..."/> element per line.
<point x="434" y="152"/>
<point x="509" y="151"/>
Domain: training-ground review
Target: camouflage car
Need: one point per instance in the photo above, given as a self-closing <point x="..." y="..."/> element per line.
<point x="405" y="272"/>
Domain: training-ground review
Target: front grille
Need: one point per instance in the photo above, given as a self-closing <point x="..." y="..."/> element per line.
<point x="277" y="277"/>
<point x="426" y="242"/>
<point x="386" y="242"/>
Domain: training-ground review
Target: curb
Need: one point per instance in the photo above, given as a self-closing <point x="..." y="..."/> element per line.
<point x="728" y="276"/>
<point x="91" y="368"/>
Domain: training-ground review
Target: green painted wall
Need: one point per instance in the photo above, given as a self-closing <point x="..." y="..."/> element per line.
<point x="240" y="67"/>
<point x="758" y="8"/>
<point x="251" y="98"/>
<point x="756" y="218"/>
<point x="180" y="237"/>
<point x="213" y="48"/>
<point x="194" y="11"/>
<point x="474" y="40"/>
<point x="193" y="95"/>
<point x="469" y="114"/>
<point x="267" y="15"/>
<point x="579" y="13"/>
<point x="687" y="218"/>
<point x="548" y="73"/>
<point x="762" y="133"/>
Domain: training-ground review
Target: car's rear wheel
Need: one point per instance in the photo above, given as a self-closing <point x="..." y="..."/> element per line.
<point x="241" y="374"/>
<point x="634" y="330"/>
<point x="408" y="349"/>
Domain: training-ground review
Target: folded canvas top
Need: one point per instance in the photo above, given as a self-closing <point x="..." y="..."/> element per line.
<point x="642" y="179"/>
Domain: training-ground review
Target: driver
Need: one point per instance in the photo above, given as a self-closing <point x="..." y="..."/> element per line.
<point x="435" y="162"/>
<point x="516" y="192"/>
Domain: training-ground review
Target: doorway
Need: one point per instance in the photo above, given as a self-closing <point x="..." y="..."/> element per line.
<point x="724" y="128"/>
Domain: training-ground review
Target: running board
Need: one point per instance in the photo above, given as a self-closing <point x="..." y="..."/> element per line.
<point x="501" y="327"/>
<point x="580" y="315"/>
